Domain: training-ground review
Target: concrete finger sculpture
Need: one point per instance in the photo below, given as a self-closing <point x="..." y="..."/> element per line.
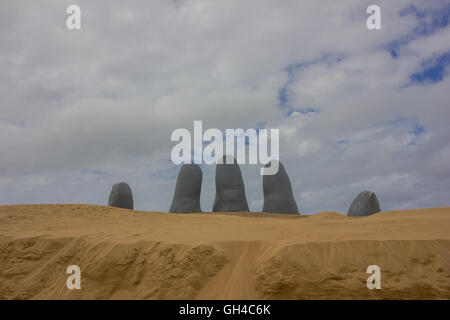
<point x="277" y="189"/>
<point x="230" y="189"/>
<point x="121" y="196"/>
<point x="365" y="204"/>
<point x="186" y="198"/>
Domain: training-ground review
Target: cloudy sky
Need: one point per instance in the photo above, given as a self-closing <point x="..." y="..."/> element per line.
<point x="356" y="109"/>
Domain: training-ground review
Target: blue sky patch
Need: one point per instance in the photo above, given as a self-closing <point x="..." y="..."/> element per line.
<point x="433" y="70"/>
<point x="305" y="110"/>
<point x="418" y="129"/>
<point x="428" y="22"/>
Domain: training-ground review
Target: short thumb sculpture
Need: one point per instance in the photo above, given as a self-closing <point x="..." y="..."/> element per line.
<point x="230" y="190"/>
<point x="365" y="204"/>
<point x="278" y="196"/>
<point x="121" y="196"/>
<point x="186" y="198"/>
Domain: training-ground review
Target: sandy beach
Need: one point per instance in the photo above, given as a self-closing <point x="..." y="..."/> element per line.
<point x="125" y="254"/>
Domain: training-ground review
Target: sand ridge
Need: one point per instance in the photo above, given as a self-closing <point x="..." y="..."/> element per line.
<point x="153" y="255"/>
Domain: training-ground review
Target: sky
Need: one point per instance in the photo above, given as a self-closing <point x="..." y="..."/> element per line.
<point x="357" y="109"/>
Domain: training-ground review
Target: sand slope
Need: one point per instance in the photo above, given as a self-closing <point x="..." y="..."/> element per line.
<point x="149" y="255"/>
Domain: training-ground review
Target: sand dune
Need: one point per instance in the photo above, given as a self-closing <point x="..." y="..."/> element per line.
<point x="150" y="255"/>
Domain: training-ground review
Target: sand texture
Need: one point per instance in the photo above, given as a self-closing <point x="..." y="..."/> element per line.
<point x="125" y="254"/>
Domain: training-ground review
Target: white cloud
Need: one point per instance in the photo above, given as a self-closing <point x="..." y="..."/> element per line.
<point x="83" y="110"/>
